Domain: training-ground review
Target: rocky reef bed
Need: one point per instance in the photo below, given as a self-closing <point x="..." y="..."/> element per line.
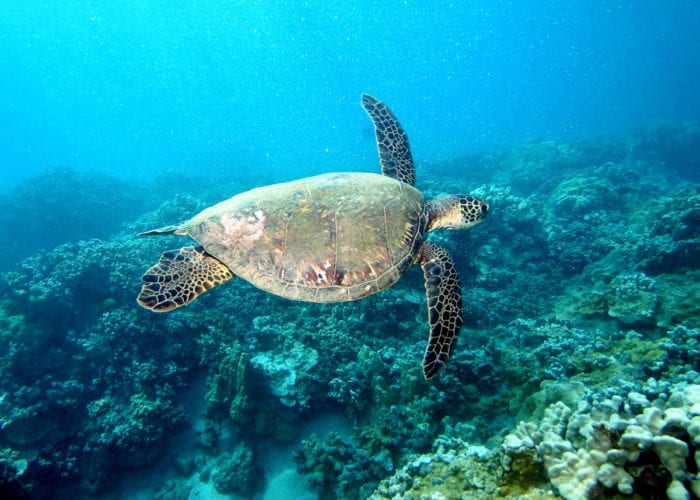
<point x="575" y="375"/>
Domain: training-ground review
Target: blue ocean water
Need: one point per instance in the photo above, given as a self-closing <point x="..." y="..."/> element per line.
<point x="577" y="122"/>
<point x="236" y="88"/>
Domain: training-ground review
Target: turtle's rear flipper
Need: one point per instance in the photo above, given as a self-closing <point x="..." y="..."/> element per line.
<point x="175" y="229"/>
<point x="444" y="293"/>
<point x="179" y="277"/>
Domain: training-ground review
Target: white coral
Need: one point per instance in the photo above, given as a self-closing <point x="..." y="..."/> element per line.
<point x="594" y="444"/>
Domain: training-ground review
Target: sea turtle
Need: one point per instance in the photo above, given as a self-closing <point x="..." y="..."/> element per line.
<point x="329" y="238"/>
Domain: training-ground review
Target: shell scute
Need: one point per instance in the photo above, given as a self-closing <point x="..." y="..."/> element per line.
<point x="328" y="238"/>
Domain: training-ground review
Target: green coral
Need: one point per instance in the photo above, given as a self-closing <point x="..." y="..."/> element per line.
<point x="631" y="312"/>
<point x="336" y="468"/>
<point x="679" y="299"/>
<point x="456" y="469"/>
<point x="240" y="393"/>
<point x="537" y="164"/>
<point x="12" y="468"/>
<point x="228" y="389"/>
<point x="132" y="432"/>
<point x="551" y="391"/>
<point x="237" y="472"/>
<point x="635" y="299"/>
<point x="127" y="434"/>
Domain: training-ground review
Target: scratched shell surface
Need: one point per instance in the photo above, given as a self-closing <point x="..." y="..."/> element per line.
<point x="328" y="238"/>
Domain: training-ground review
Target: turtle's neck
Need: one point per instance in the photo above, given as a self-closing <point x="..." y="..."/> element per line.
<point x="442" y="211"/>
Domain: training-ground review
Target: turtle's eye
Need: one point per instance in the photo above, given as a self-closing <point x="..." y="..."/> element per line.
<point x="484" y="207"/>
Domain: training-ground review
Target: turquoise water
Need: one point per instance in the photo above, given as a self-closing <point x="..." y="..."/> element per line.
<point x="234" y="88"/>
<point x="578" y="124"/>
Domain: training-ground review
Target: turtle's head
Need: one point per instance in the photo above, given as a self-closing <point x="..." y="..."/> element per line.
<point x="456" y="212"/>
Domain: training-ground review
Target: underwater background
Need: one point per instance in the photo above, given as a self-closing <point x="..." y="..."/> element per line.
<point x="576" y="372"/>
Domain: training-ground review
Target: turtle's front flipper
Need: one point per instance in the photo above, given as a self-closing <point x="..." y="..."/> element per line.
<point x="444" y="293"/>
<point x="181" y="276"/>
<point x="392" y="142"/>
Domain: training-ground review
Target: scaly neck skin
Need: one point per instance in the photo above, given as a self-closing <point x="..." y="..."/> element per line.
<point x="442" y="212"/>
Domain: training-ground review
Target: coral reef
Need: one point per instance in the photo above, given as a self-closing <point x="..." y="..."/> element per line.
<point x="581" y="320"/>
<point x="237" y="472"/>
<point x="650" y="278"/>
<point x="674" y="143"/>
<point x="228" y="389"/>
<point x="126" y="435"/>
<point x="71" y="341"/>
<point x="63" y="205"/>
<point x="625" y="443"/>
<point x="282" y="366"/>
<point x="336" y="467"/>
<point x="454" y="469"/>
